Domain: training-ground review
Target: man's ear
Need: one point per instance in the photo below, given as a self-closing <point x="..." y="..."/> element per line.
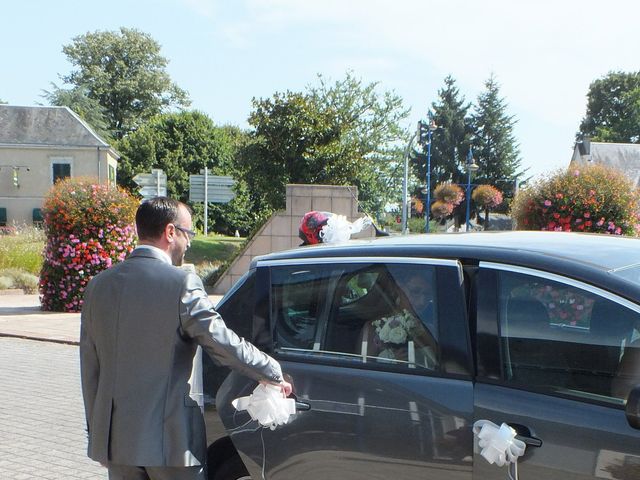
<point x="170" y="233"/>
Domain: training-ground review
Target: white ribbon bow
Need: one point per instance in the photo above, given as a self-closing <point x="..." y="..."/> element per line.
<point x="498" y="445"/>
<point x="267" y="405"/>
<point x="339" y="229"/>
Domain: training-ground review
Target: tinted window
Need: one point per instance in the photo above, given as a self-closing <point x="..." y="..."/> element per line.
<point x="381" y="314"/>
<point x="559" y="337"/>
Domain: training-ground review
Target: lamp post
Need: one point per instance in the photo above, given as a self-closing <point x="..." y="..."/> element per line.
<point x="431" y="126"/>
<point x="405" y="183"/>
<point x="471" y="167"/>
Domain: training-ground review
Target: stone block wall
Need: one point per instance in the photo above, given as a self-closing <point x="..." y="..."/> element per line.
<point x="281" y="230"/>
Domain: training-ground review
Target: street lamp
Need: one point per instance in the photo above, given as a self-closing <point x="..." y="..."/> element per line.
<point x="472" y="166"/>
<point x="430" y="127"/>
<point x="405" y="183"/>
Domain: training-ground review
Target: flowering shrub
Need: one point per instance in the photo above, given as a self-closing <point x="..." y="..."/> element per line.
<point x="586" y="199"/>
<point x="448" y="196"/>
<point x="89" y="227"/>
<point x="487" y="196"/>
<point x="441" y="209"/>
<point x="449" y="193"/>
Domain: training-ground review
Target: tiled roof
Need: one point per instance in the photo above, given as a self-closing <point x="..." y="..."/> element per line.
<point x="52" y="126"/>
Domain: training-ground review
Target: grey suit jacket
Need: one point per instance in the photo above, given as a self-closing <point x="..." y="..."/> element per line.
<point x="141" y="324"/>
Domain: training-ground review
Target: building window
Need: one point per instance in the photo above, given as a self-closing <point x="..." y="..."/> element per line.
<point x="112" y="175"/>
<point x="3" y="217"/>
<point x="37" y="217"/>
<point x="60" y="169"/>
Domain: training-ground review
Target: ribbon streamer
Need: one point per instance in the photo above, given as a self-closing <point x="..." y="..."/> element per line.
<point x="339" y="229"/>
<point x="498" y="444"/>
<point x="267" y="406"/>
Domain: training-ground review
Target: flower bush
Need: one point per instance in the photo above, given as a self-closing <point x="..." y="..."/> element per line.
<point x="487" y="196"/>
<point x="89" y="227"/>
<point x="447" y="197"/>
<point x="441" y="209"/>
<point x="593" y="198"/>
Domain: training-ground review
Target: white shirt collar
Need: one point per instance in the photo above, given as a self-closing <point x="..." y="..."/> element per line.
<point x="165" y="256"/>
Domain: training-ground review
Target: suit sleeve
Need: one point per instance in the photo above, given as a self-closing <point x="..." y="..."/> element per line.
<point x="89" y="364"/>
<point x="200" y="321"/>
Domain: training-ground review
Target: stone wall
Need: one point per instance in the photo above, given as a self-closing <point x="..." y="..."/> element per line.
<point x="281" y="230"/>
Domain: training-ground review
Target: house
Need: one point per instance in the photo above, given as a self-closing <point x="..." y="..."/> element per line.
<point x="622" y="156"/>
<point x="39" y="145"/>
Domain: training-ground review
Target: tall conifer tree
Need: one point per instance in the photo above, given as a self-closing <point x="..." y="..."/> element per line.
<point x="495" y="149"/>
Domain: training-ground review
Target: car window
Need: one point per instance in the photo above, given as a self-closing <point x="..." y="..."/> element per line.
<point x="562" y="338"/>
<point x="382" y="314"/>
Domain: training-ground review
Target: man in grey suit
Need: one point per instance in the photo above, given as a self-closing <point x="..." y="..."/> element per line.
<point x="142" y="323"/>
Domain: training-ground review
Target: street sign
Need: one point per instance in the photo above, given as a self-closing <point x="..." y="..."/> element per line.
<point x="152" y="184"/>
<point x="152" y="192"/>
<point x="219" y="188"/>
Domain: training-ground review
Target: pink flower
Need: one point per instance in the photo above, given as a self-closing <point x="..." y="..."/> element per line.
<point x="547" y="203"/>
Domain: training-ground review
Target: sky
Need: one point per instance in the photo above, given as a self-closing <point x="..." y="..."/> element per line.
<point x="543" y="53"/>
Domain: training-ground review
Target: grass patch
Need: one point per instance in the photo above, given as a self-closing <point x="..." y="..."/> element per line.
<point x="212" y="254"/>
<point x="22" y="250"/>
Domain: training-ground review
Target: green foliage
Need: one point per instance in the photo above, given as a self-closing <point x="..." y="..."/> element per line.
<point x="340" y="134"/>
<point x="613" y="108"/>
<point x="451" y="140"/>
<point x="182" y="144"/>
<point x="16" y="278"/>
<point x="487" y="196"/>
<point x="587" y="199"/>
<point x="22" y="250"/>
<point x="89" y="227"/>
<point x="494" y="146"/>
<point x="124" y="72"/>
<point x="87" y="108"/>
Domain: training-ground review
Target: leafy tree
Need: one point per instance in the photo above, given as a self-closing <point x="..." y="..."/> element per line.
<point x="181" y="144"/>
<point x="339" y="134"/>
<point x="494" y="146"/>
<point x="450" y="141"/>
<point x="613" y="109"/>
<point x="87" y="108"/>
<point x="2" y="102"/>
<point x="124" y="72"/>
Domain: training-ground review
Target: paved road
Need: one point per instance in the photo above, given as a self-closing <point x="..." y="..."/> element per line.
<point x="41" y="413"/>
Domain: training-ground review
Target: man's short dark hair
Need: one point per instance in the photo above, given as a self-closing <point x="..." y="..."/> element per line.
<point x="155" y="214"/>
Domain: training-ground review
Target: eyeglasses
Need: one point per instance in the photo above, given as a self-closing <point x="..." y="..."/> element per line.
<point x="190" y="233"/>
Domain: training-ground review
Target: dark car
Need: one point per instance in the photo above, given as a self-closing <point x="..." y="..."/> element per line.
<point x="396" y="346"/>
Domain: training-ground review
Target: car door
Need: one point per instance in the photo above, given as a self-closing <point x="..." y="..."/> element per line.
<point x="378" y="352"/>
<point x="550" y="352"/>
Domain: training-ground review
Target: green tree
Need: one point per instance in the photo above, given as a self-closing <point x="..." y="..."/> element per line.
<point x="613" y="109"/>
<point x="87" y="108"/>
<point x="494" y="146"/>
<point x="124" y="72"/>
<point x="182" y="144"/>
<point x="343" y="133"/>
<point x="450" y="141"/>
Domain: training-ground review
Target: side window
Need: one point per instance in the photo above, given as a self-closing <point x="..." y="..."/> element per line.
<point x="297" y="297"/>
<point x="562" y="338"/>
<point x="380" y="314"/>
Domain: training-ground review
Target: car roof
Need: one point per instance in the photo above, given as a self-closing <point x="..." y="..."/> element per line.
<point x="604" y="252"/>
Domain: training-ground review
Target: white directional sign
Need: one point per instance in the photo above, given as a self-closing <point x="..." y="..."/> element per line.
<point x="152" y="184"/>
<point x="219" y="189"/>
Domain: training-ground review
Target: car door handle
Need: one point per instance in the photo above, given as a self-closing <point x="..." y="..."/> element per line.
<point x="524" y="434"/>
<point x="302" y="406"/>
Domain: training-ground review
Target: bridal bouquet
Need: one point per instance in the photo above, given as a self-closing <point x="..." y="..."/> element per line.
<point x="395" y="329"/>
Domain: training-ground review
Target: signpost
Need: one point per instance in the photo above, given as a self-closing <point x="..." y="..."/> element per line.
<point x="210" y="188"/>
<point x="152" y="184"/>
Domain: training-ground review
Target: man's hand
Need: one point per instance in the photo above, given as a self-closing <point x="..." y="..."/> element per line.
<point x="284" y="386"/>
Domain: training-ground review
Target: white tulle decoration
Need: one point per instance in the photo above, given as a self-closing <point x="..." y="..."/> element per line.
<point x="267" y="406"/>
<point x="498" y="445"/>
<point x="339" y="229"/>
